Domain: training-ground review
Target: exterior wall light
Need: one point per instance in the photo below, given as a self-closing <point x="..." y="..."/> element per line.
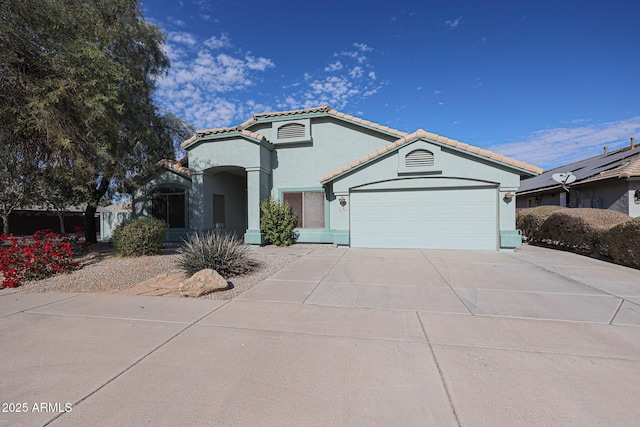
<point x="508" y="196"/>
<point x="342" y="201"/>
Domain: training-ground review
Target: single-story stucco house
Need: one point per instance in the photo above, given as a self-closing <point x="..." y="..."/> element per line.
<point x="350" y="182"/>
<point x="610" y="180"/>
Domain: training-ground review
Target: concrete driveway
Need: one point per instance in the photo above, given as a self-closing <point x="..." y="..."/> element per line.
<point x="340" y="337"/>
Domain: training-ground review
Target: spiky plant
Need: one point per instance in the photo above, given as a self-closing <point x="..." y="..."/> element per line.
<point x="222" y="252"/>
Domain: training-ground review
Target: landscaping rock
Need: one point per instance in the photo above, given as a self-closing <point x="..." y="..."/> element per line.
<point x="203" y="282"/>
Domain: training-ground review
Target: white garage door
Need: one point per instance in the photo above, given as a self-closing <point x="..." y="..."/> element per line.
<point x="448" y="218"/>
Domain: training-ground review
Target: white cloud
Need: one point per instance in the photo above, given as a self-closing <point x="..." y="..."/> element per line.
<point x="176" y="22"/>
<point x="550" y="148"/>
<point x="182" y="38"/>
<point x="214" y="42"/>
<point x="356" y="72"/>
<point x="334" y="66"/>
<point x="259" y="64"/>
<point x="454" y="23"/>
<point x="201" y="82"/>
<point x="345" y="81"/>
<point x="212" y="83"/>
<point x="363" y="47"/>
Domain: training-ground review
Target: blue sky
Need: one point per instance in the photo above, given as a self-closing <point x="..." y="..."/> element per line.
<point x="547" y="82"/>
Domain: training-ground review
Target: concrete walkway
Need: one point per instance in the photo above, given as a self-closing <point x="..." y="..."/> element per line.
<point x="340" y="337"/>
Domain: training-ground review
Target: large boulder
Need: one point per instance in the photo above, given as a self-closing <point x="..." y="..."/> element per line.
<point x="203" y="282"/>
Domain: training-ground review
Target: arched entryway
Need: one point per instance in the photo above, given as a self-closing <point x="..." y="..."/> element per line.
<point x="225" y="199"/>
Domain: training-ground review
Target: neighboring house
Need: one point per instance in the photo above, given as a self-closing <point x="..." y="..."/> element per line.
<point x="29" y="219"/>
<point x="608" y="181"/>
<point x="350" y="182"/>
<point x="113" y="215"/>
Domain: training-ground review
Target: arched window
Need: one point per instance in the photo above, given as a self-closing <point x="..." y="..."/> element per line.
<point x="167" y="204"/>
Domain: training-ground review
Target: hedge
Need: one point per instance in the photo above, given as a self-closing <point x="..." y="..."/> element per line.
<point x="530" y="220"/>
<point x="139" y="236"/>
<point x="623" y="243"/>
<point x="582" y="230"/>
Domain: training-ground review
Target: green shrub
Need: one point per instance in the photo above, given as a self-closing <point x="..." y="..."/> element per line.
<point x="224" y="253"/>
<point x="530" y="220"/>
<point x="623" y="243"/>
<point x="139" y="236"/>
<point x="581" y="230"/>
<point x="278" y="222"/>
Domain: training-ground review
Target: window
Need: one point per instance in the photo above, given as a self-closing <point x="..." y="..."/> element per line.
<point x="167" y="204"/>
<point x="308" y="207"/>
<point x="219" y="217"/>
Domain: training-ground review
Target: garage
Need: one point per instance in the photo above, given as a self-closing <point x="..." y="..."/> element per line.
<point x="431" y="218"/>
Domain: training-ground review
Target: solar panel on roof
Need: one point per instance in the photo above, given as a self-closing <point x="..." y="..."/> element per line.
<point x="582" y="169"/>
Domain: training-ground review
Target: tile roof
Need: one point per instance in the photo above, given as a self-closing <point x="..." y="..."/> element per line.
<point x="329" y="111"/>
<point x="322" y="110"/>
<point x="420" y="133"/>
<point x="174" y="166"/>
<point x="254" y="119"/>
<point x="621" y="163"/>
<point x="216" y="131"/>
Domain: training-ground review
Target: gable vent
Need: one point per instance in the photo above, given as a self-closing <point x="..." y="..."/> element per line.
<point x="291" y="130"/>
<point x="419" y="158"/>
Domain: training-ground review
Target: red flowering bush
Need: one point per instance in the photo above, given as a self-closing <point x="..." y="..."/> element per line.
<point x="44" y="254"/>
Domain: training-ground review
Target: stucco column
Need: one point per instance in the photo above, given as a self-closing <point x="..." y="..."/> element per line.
<point x="257" y="189"/>
<point x="196" y="201"/>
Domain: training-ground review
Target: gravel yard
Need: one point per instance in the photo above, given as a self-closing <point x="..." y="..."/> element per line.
<point x="101" y="270"/>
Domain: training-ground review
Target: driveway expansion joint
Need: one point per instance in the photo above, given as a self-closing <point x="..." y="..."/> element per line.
<point x="315" y="334"/>
<point x="324" y="277"/>
<point x="26" y="310"/>
<point x="615" y="313"/>
<point x="533" y="351"/>
<point x="449" y="285"/>
<point x="440" y="372"/>
<point x="135" y="363"/>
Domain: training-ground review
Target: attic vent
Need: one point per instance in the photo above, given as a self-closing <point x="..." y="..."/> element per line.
<point x="291" y="130"/>
<point x="419" y="158"/>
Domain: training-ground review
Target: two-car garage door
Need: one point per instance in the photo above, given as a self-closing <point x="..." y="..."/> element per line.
<point x="435" y="218"/>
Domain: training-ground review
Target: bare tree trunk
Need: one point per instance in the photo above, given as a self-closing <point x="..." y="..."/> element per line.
<point x="5" y="223"/>
<point x="61" y="218"/>
<point x="90" y="224"/>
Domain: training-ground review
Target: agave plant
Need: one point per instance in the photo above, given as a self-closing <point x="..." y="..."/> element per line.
<point x="222" y="252"/>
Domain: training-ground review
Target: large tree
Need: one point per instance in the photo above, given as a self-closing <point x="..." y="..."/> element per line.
<point x="18" y="178"/>
<point x="80" y="77"/>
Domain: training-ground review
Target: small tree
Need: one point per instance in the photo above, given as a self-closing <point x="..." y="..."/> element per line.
<point x="277" y="222"/>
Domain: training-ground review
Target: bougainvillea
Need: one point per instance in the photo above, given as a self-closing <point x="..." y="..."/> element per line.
<point x="42" y="255"/>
